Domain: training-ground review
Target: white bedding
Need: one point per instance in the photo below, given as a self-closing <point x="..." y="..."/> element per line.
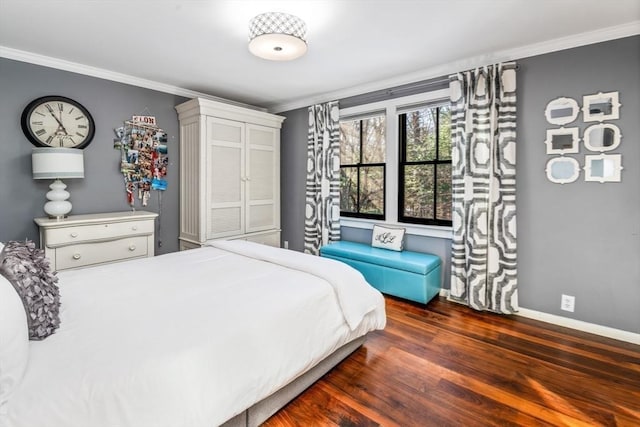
<point x="187" y="339"/>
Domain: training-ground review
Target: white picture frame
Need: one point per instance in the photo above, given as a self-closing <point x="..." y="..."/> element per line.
<point x="562" y="170"/>
<point x="602" y="137"/>
<point x="603" y="168"/>
<point x="601" y="106"/>
<point x="563" y="141"/>
<point x="562" y="111"/>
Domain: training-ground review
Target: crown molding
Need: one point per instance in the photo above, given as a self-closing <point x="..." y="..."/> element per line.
<point x="101" y="73"/>
<point x="577" y="40"/>
<point x="569" y="42"/>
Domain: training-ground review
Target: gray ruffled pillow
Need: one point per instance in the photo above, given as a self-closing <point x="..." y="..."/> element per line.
<point x="30" y="273"/>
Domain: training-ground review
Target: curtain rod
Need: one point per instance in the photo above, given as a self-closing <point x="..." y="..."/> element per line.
<point x="436" y="83"/>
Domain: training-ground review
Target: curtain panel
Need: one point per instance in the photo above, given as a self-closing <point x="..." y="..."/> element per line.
<point x="483" y="128"/>
<point x="322" y="212"/>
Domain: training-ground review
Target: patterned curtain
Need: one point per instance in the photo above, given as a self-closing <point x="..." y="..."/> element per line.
<point x="483" y="129"/>
<point x="322" y="216"/>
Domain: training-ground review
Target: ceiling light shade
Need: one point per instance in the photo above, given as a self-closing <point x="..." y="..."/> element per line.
<point x="277" y="36"/>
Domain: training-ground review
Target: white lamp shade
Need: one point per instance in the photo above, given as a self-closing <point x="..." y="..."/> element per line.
<point x="53" y="163"/>
<point x="277" y="36"/>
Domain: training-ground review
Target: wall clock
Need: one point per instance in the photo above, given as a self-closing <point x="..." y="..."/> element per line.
<point x="56" y="121"/>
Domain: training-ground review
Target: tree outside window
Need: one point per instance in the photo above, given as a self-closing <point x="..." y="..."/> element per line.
<point x="425" y="166"/>
<point x="362" y="167"/>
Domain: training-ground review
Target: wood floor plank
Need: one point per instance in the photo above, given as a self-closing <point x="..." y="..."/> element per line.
<point x="445" y="364"/>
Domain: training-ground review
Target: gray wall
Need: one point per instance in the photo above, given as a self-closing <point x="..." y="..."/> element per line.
<point x="293" y="174"/>
<point x="580" y="239"/>
<point x="102" y="189"/>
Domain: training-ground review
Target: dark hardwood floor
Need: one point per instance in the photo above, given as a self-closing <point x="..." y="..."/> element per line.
<point x="446" y="365"/>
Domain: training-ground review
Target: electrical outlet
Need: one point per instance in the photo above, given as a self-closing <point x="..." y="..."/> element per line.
<point x="567" y="303"/>
<point x="286" y="244"/>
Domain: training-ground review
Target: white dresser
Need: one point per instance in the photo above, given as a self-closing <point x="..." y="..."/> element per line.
<point x="87" y="240"/>
<point x="229" y="173"/>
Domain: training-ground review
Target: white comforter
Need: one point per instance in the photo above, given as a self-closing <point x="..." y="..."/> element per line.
<point x="190" y="338"/>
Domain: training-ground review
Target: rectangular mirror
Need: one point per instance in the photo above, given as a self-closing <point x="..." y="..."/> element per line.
<point x="601" y="106"/>
<point x="603" y="168"/>
<point x="562" y="141"/>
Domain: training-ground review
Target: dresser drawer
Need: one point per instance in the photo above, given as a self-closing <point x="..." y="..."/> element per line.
<point x="70" y="235"/>
<point x="85" y="254"/>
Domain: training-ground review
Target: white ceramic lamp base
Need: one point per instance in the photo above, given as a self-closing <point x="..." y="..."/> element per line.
<point x="58" y="206"/>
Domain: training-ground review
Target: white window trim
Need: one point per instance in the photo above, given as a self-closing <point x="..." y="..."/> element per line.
<point x="413" y="229"/>
<point x="391" y="107"/>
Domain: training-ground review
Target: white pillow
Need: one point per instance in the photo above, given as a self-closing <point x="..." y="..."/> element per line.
<point x="387" y="237"/>
<point x="14" y="340"/>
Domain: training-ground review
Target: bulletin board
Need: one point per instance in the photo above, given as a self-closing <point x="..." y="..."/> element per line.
<point x="143" y="158"/>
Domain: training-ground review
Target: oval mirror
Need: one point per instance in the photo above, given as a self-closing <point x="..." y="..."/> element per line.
<point x="602" y="137"/>
<point x="561" y="111"/>
<point x="563" y="170"/>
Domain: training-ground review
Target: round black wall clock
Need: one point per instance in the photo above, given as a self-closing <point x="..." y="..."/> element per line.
<point x="56" y="121"/>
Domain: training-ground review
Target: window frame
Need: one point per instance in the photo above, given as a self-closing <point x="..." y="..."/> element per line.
<point x="402" y="162"/>
<point x="391" y="108"/>
<point x="360" y="165"/>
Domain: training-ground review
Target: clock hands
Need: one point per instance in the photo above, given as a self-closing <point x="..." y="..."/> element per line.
<point x="61" y="133"/>
<point x="60" y="125"/>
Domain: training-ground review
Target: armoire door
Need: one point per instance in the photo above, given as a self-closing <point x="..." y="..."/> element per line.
<point x="225" y="152"/>
<point x="262" y="178"/>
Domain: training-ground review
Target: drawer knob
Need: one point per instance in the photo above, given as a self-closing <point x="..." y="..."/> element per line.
<point x="74" y="234"/>
<point x="134" y="228"/>
<point x="76" y="256"/>
<point x="132" y="248"/>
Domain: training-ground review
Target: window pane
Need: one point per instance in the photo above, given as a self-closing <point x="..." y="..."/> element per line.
<point x="348" y="189"/>
<point x="421" y="136"/>
<point x="445" y="133"/>
<point x="373" y="144"/>
<point x="418" y="191"/>
<point x="350" y="142"/>
<point x="443" y="193"/>
<point x="372" y="190"/>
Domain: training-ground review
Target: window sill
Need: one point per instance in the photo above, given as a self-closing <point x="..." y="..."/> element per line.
<point x="413" y="229"/>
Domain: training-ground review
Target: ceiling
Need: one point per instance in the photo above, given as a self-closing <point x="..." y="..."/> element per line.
<point x="354" y="45"/>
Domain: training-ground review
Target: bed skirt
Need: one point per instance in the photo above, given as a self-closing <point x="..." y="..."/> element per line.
<point x="261" y="411"/>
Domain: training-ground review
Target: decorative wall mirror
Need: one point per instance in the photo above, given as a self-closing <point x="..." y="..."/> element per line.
<point x="601" y="106"/>
<point x="603" y="167"/>
<point x="562" y="141"/>
<point x="602" y="137"/>
<point x="562" y="170"/>
<point x="561" y="111"/>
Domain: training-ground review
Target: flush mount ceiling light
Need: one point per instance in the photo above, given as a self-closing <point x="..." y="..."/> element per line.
<point x="277" y="36"/>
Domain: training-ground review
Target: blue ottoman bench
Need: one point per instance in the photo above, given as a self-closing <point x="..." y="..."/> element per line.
<point x="410" y="275"/>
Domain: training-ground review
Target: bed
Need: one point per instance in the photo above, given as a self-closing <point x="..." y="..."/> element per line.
<point x="225" y="334"/>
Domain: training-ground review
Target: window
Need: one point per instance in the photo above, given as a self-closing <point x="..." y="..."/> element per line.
<point x="395" y="160"/>
<point x="362" y="167"/>
<point x="425" y="166"/>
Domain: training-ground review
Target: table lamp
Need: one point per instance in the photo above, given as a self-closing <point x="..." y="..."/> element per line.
<point x="57" y="163"/>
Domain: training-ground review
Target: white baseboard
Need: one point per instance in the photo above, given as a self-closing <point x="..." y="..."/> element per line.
<point x="579" y="325"/>
<point x="592" y="328"/>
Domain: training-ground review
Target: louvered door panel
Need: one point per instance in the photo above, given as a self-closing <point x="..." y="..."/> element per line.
<point x="225" y="173"/>
<point x="263" y="178"/>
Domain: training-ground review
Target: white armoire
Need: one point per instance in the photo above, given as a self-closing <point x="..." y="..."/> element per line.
<point x="229" y="173"/>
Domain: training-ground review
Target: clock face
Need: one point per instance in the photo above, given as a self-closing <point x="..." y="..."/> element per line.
<point x="56" y="121"/>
